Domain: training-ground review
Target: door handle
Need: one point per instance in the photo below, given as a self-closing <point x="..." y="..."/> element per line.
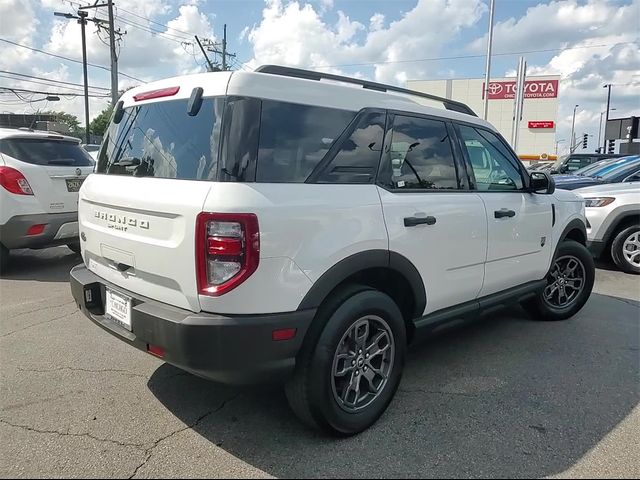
<point x="414" y="221"/>
<point x="504" y="212"/>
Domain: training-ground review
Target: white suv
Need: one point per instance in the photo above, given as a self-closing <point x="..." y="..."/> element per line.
<point x="40" y="176"/>
<point x="613" y="223"/>
<point x="286" y="225"/>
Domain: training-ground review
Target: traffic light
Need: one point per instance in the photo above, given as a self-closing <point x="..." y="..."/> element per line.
<point x="585" y="138"/>
<point x="612" y="146"/>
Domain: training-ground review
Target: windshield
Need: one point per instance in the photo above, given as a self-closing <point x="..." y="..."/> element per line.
<point x="37" y="151"/>
<point x="627" y="167"/>
<point x="162" y="140"/>
<point x="610" y="166"/>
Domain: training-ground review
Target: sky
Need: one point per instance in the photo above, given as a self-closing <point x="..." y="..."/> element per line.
<point x="589" y="43"/>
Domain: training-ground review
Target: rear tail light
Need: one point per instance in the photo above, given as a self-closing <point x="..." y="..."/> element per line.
<point x="13" y="181"/>
<point x="163" y="92"/>
<point x="227" y="250"/>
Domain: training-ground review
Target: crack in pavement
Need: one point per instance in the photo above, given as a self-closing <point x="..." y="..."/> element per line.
<point x="36" y="324"/>
<point x="149" y="450"/>
<point x="86" y="370"/>
<point x="628" y="301"/>
<point x="46" y="307"/>
<point x="69" y="434"/>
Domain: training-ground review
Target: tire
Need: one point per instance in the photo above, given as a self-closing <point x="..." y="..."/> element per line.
<point x="74" y="247"/>
<point x="314" y="392"/>
<point x="4" y="257"/>
<point x="630" y="237"/>
<point x="570" y="254"/>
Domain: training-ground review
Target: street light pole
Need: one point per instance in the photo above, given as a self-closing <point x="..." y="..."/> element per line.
<point x="572" y="141"/>
<point x="608" y="86"/>
<point x="559" y="141"/>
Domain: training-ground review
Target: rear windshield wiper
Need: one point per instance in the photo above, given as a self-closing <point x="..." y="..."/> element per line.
<point x="61" y="161"/>
<point x="127" y="162"/>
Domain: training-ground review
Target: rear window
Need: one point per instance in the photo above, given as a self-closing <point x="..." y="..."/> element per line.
<point x="38" y="151"/>
<point x="161" y="140"/>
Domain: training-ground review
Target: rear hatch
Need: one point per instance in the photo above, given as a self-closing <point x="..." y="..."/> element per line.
<point x="55" y="167"/>
<point x="138" y="213"/>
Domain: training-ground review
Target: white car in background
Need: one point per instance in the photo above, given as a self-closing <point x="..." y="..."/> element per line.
<point x="40" y="176"/>
<point x="613" y="215"/>
<point x="92" y="149"/>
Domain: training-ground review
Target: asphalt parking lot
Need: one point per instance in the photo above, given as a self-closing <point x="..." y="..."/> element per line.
<point x="504" y="397"/>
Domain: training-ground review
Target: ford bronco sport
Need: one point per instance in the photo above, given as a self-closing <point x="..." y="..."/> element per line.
<point x="289" y="226"/>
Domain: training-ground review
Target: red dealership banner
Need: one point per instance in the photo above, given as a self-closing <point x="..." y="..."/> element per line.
<point x="532" y="89"/>
<point x="541" y="124"/>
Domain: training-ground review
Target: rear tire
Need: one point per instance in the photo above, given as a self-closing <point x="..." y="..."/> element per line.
<point x="625" y="250"/>
<point x="4" y="257"/>
<point x="74" y="247"/>
<point x="351" y="363"/>
<point x="569" y="284"/>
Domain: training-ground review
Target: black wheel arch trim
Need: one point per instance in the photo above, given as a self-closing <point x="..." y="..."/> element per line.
<point x="358" y="262"/>
<point x="615" y="225"/>
<point x="575" y="224"/>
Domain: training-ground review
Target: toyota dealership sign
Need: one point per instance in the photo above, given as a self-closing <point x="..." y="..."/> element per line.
<point x="532" y="89"/>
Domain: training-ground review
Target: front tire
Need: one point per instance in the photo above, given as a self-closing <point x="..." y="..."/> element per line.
<point x="569" y="284"/>
<point x="351" y="363"/>
<point x="625" y="250"/>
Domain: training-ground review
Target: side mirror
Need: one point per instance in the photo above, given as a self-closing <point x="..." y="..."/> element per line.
<point x="541" y="182"/>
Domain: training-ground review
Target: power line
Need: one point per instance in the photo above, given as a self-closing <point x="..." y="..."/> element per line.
<point x="73" y="89"/>
<point x="67" y="58"/>
<point x="462" y="57"/>
<point x="50" y="80"/>
<point x="59" y="94"/>
<point x="187" y="34"/>
<point x="167" y="36"/>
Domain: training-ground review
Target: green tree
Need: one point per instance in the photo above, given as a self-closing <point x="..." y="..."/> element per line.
<point x="99" y="125"/>
<point x="67" y="118"/>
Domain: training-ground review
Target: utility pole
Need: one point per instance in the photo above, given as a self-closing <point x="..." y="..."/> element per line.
<point x="210" y="65"/>
<point x="224" y="49"/>
<point x="114" y="56"/>
<point x="82" y="20"/>
<point x="487" y="74"/>
<point x="519" y="101"/>
<point x="112" y="45"/>
<point x="219" y="48"/>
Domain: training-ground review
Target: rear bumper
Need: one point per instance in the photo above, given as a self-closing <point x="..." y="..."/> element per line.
<point x="60" y="229"/>
<point x="235" y="350"/>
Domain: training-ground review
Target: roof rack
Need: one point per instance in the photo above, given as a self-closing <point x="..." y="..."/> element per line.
<point x="381" y="87"/>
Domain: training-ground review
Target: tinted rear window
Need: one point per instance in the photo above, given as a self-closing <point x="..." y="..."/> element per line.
<point x="162" y="140"/>
<point x="295" y="138"/>
<point x="46" y="152"/>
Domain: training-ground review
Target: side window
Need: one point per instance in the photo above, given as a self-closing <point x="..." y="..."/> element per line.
<point x="576" y="164"/>
<point x="420" y="154"/>
<point x="295" y="138"/>
<point x="493" y="165"/>
<point x="359" y="155"/>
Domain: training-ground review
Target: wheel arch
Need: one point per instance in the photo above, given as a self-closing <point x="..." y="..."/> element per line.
<point x="384" y="270"/>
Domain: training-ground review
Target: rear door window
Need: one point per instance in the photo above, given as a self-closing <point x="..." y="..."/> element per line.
<point x="161" y="140"/>
<point x="51" y="152"/>
<point x="295" y="138"/>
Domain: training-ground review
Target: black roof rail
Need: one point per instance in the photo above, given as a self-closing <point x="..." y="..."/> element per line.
<point x="381" y="87"/>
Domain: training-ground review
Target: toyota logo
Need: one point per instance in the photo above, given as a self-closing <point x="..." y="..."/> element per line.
<point x="78" y="172"/>
<point x="495" y="89"/>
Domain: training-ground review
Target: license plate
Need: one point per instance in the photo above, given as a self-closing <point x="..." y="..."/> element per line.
<point x="118" y="308"/>
<point x="73" y="185"/>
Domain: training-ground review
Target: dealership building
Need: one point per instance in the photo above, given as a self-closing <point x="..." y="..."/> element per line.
<point x="537" y="135"/>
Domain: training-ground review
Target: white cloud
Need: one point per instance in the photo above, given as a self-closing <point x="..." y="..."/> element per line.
<point x="296" y="34"/>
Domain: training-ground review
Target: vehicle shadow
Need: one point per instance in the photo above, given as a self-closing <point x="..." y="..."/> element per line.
<point x="504" y="397"/>
<point x="46" y="265"/>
